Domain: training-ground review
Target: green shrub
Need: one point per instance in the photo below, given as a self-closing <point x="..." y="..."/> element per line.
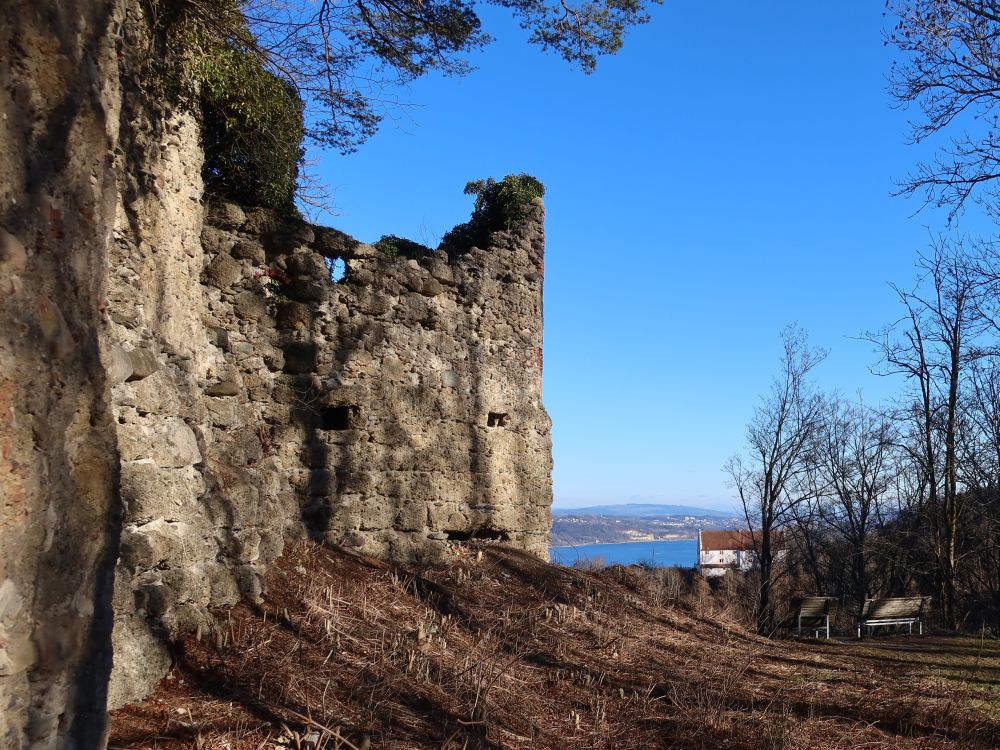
<point x="393" y="246"/>
<point x="252" y="129"/>
<point x="498" y="206"/>
<point x="251" y="120"/>
<point x="503" y="204"/>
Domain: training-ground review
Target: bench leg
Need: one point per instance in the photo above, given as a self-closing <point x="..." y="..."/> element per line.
<point x="827" y="618"/>
<point x="920" y="627"/>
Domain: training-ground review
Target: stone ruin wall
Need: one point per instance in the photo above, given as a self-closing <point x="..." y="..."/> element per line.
<point x="60" y="120"/>
<point x="183" y="388"/>
<point x="396" y="412"/>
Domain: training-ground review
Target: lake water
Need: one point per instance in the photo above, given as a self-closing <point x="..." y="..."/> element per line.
<point x="680" y="552"/>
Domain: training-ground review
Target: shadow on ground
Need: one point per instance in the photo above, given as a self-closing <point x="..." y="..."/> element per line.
<point x="497" y="649"/>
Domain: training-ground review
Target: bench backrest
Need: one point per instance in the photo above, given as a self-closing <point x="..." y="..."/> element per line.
<point x="814" y="606"/>
<point x="888" y="609"/>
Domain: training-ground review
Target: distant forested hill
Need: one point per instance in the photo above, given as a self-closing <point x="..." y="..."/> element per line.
<point x="644" y="510"/>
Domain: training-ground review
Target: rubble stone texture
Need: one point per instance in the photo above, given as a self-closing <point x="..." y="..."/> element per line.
<point x="184" y="387"/>
<point x="396" y="411"/>
<point x="60" y="103"/>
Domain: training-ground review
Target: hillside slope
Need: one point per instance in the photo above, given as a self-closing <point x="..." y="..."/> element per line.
<point x="497" y="649"/>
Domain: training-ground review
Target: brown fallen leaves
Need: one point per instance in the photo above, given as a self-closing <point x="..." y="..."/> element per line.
<point x="497" y="649"/>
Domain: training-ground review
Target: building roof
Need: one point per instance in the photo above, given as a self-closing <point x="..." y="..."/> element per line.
<point x="732" y="540"/>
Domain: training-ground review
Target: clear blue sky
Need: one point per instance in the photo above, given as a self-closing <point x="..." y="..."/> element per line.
<point x="729" y="171"/>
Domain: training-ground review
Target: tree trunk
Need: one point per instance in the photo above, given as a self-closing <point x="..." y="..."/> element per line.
<point x="764" y="617"/>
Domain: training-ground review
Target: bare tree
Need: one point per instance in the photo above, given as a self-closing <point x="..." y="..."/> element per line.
<point x="767" y="476"/>
<point x="854" y="458"/>
<point x="951" y="72"/>
<point x="931" y="345"/>
<point x="810" y="541"/>
<point x="979" y="449"/>
<point x="979" y="462"/>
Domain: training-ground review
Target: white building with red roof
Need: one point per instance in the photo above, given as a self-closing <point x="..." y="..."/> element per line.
<point x="719" y="551"/>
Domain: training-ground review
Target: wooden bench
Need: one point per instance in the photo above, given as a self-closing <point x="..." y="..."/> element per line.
<point x="905" y="610"/>
<point x="812" y="613"/>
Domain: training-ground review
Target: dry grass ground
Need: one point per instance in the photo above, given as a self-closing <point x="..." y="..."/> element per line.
<point x="499" y="650"/>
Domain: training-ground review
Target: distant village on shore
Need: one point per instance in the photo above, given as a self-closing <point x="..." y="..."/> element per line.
<point x="606" y="524"/>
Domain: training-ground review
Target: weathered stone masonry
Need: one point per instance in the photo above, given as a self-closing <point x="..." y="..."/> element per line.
<point x="183" y="388"/>
<point x="395" y="412"/>
<point x="60" y="109"/>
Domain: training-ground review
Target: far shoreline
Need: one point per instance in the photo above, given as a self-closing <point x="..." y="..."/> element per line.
<point x="637" y="541"/>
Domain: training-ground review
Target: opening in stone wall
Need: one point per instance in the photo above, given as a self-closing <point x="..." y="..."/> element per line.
<point x="336" y="417"/>
<point x="496" y="419"/>
<point x="466" y="535"/>
<point x="336" y="268"/>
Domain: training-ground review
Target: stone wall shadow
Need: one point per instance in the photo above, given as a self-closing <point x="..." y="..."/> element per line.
<point x="79" y="488"/>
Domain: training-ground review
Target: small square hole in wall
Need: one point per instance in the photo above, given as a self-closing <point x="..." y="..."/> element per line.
<point x="336" y="417"/>
<point x="496" y="419"/>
